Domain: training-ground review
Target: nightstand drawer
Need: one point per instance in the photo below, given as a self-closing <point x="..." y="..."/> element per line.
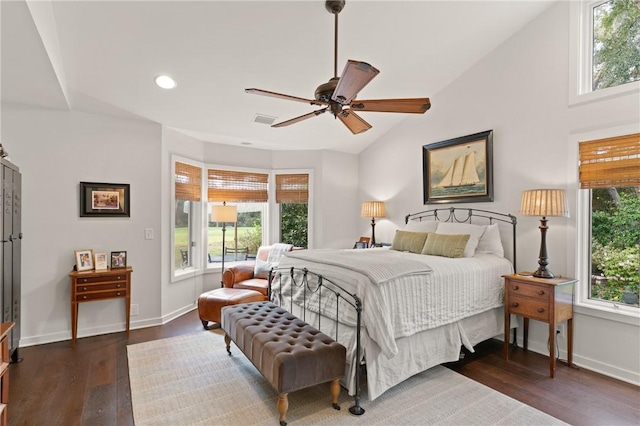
<point x="517" y="288"/>
<point x="530" y="308"/>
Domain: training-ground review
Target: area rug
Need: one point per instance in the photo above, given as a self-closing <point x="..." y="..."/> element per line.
<point x="191" y="380"/>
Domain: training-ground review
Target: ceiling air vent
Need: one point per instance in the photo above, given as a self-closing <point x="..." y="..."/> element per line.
<point x="264" y="119"/>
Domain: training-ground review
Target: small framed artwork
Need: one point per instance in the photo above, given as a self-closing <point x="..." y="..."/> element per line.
<point x="459" y="170"/>
<point x="84" y="260"/>
<point x="104" y="199"/>
<point x="100" y="261"/>
<point x="361" y="245"/>
<point x="118" y="259"/>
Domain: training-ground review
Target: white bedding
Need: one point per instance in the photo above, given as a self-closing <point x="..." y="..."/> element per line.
<point x="448" y="290"/>
<point x="412" y="321"/>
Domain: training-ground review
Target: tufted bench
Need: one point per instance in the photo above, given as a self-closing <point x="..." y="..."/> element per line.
<point x="289" y="353"/>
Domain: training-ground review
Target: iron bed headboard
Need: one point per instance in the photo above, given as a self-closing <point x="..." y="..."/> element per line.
<point x="466" y="215"/>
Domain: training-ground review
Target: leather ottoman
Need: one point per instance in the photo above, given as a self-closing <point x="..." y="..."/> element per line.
<point x="211" y="303"/>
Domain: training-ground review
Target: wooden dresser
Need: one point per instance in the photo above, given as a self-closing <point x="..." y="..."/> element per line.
<point x="89" y="286"/>
<point x="548" y="300"/>
<point x="5" y="327"/>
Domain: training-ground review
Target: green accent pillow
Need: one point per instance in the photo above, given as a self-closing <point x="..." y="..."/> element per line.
<point x="409" y="241"/>
<point x="447" y="245"/>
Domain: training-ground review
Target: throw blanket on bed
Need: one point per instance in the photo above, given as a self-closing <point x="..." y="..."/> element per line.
<point x="377" y="265"/>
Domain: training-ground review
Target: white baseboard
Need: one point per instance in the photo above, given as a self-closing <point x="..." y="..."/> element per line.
<point x="104" y="329"/>
<point x="609" y="370"/>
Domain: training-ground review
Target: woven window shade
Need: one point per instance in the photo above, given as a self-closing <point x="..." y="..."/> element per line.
<point x="610" y="162"/>
<point x="237" y="187"/>
<point x="293" y="188"/>
<point x="187" y="181"/>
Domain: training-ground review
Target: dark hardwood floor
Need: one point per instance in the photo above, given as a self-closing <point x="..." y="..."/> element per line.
<point x="55" y="384"/>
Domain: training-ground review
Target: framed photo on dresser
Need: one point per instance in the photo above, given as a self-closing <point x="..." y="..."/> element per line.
<point x="84" y="260"/>
<point x="118" y="259"/>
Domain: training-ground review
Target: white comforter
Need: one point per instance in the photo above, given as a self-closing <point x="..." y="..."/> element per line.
<point x="440" y="292"/>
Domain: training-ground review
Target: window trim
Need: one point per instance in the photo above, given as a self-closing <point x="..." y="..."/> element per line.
<point x="583" y="304"/>
<point x="581" y="58"/>
<point x="178" y="274"/>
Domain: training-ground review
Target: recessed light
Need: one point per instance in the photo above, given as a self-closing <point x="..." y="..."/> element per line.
<point x="246" y="143"/>
<point x="165" y="82"/>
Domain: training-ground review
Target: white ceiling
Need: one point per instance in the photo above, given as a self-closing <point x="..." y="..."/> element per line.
<point x="102" y="56"/>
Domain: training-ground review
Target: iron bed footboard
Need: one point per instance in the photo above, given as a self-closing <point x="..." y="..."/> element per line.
<point x="315" y="284"/>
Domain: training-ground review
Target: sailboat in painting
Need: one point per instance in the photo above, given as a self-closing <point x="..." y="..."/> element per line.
<point x="461" y="173"/>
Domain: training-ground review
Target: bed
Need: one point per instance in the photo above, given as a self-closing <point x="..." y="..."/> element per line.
<point x="404" y="309"/>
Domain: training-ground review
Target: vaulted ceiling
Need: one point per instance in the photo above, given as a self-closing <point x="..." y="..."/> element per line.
<point x="103" y="56"/>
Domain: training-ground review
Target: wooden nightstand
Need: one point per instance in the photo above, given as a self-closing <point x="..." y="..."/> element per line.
<point x="542" y="299"/>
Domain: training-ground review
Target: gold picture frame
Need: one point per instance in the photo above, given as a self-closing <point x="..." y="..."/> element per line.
<point x="84" y="260"/>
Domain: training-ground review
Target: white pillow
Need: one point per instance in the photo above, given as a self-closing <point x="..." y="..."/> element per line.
<point x="262" y="269"/>
<point x="421" y="226"/>
<point x="490" y="242"/>
<point x="475" y="232"/>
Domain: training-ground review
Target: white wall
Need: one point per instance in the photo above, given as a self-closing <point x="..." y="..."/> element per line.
<point x="520" y="91"/>
<point x="56" y="150"/>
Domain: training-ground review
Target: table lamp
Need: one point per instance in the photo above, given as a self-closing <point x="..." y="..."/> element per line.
<point x="373" y="209"/>
<point x="544" y="202"/>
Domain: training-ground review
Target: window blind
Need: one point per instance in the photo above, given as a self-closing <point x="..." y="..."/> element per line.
<point x="187" y="182"/>
<point x="237" y="187"/>
<point x="610" y="162"/>
<point x="292" y="188"/>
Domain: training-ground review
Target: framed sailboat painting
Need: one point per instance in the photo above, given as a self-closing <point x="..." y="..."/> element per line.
<point x="459" y="170"/>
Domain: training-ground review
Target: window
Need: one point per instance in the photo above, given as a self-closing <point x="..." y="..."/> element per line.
<point x="292" y="196"/>
<point x="187" y="180"/>
<point x="610" y="171"/>
<point x="264" y="213"/>
<point x="248" y="191"/>
<point x="615" y="32"/>
<point x="604" y="49"/>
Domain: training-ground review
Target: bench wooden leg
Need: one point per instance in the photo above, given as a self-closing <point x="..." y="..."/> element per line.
<point x="335" y="393"/>
<point x="227" y="341"/>
<point x="283" y="406"/>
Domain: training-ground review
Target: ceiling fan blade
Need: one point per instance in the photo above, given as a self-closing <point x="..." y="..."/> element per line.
<point x="282" y="96"/>
<point x="354" y="122"/>
<point x="354" y="77"/>
<point x="409" y="106"/>
<point x="301" y="118"/>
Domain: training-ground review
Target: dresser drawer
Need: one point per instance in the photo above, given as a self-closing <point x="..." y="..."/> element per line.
<point x="81" y="288"/>
<point x="100" y="295"/>
<point x="517" y="288"/>
<point x="101" y="279"/>
<point x="530" y="308"/>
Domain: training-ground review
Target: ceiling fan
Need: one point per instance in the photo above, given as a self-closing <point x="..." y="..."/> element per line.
<point x="338" y="95"/>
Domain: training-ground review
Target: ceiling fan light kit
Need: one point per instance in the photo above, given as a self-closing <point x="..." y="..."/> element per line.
<point x="338" y="94"/>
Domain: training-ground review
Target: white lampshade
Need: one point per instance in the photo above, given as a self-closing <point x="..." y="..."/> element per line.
<point x="224" y="214"/>
<point x="544" y="202"/>
<point x="373" y="209"/>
